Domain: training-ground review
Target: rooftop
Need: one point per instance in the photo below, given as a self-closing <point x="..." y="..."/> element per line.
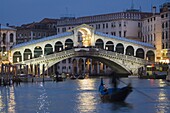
<point x="42" y="39"/>
<point x="126" y="40"/>
<point x="2" y="27"/>
<point x="70" y="33"/>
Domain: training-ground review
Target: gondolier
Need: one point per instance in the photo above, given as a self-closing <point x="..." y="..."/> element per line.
<point x="115" y="80"/>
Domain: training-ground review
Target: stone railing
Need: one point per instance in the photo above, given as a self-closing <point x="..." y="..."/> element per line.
<point x="84" y="52"/>
<point x="121" y="56"/>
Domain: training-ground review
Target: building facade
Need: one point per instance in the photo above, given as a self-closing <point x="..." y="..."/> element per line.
<point x="124" y="24"/>
<point x="165" y="23"/>
<point x="151" y="31"/>
<point x="36" y="30"/>
<point x="7" y="40"/>
<point x="156" y="30"/>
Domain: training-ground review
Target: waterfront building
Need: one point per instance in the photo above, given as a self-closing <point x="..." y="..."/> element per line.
<point x="7" y="40"/>
<point x="165" y="23"/>
<point x="36" y="30"/>
<point x="123" y="24"/>
<point x="151" y="31"/>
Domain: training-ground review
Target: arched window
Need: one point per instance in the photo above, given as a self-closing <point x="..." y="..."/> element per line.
<point x="4" y="38"/>
<point x="11" y="37"/>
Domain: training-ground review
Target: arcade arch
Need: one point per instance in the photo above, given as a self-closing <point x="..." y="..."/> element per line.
<point x="58" y="46"/>
<point x="48" y="49"/>
<point x="150" y="56"/>
<point x="27" y="54"/>
<point x="130" y="51"/>
<point x="109" y="46"/>
<point x="69" y="44"/>
<point x="84" y="37"/>
<point x="37" y="51"/>
<point x="99" y="43"/>
<point x="120" y="48"/>
<point x="140" y="53"/>
<point x="17" y="57"/>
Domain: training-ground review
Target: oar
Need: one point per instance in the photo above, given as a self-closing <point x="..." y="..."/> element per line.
<point x="139" y="91"/>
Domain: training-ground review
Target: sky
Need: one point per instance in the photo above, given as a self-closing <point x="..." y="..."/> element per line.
<point x="18" y="12"/>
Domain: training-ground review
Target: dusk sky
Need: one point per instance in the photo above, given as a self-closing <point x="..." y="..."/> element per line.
<point x="17" y="12"/>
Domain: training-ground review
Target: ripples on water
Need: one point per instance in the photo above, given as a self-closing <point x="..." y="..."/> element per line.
<point x="81" y="96"/>
<point x="43" y="103"/>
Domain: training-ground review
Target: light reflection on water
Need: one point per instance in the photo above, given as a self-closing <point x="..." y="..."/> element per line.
<point x="11" y="100"/>
<point x="43" y="102"/>
<point x="86" y="96"/>
<point x="81" y="96"/>
<point x="163" y="101"/>
<point x="7" y="100"/>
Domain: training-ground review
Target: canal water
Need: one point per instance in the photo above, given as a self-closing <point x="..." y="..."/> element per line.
<point x="81" y="96"/>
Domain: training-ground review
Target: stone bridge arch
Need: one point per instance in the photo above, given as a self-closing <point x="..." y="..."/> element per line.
<point x="121" y="64"/>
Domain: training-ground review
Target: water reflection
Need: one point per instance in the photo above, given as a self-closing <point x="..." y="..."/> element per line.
<point x="162" y="106"/>
<point x="11" y="100"/>
<point x="162" y="97"/>
<point x="43" y="103"/>
<point x="86" y="99"/>
<point x="86" y="84"/>
<point x="161" y="83"/>
<point x="7" y="100"/>
<point x="121" y="106"/>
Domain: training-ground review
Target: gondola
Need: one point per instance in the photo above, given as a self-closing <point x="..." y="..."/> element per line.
<point x="114" y="94"/>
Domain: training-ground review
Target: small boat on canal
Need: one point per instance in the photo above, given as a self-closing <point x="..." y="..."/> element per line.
<point x="114" y="94"/>
<point x="168" y="76"/>
<point x="168" y="80"/>
<point x="73" y="77"/>
<point x="81" y="77"/>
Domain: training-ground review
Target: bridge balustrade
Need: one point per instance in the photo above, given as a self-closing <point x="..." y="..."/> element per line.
<point x="85" y="52"/>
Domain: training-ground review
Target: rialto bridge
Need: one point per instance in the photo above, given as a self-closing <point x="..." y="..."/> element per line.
<point x="122" y="55"/>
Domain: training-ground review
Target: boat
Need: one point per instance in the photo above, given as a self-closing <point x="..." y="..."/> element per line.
<point x="81" y="77"/>
<point x="168" y="76"/>
<point x="153" y="71"/>
<point x="31" y="78"/>
<point x="25" y="77"/>
<point x="73" y="77"/>
<point x="114" y="94"/>
<point x="58" y="78"/>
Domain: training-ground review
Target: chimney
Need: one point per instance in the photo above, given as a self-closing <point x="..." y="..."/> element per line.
<point x="7" y="24"/>
<point x="154" y="10"/>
